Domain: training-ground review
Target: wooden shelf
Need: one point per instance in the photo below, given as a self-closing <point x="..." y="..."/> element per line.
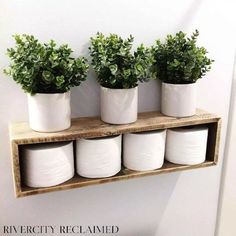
<point x="89" y="127"/>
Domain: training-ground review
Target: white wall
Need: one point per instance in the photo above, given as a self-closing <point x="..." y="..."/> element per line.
<point x="227" y="206"/>
<point x="183" y="203"/>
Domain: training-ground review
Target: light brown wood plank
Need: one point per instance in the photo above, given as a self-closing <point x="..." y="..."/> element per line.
<point x="213" y="141"/>
<point x="85" y="127"/>
<point x="21" y="134"/>
<point x="124" y="174"/>
<point x="16" y="167"/>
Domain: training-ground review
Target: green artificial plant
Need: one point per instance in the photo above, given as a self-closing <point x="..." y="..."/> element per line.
<point x="117" y="67"/>
<point x="44" y="68"/>
<point x="179" y="61"/>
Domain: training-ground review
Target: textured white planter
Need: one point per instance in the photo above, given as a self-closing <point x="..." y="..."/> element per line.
<point x="144" y="151"/>
<point x="98" y="157"/>
<point x="49" y="112"/>
<point x="186" y="146"/>
<point x="45" y="165"/>
<point x="119" y="106"/>
<point x="178" y="100"/>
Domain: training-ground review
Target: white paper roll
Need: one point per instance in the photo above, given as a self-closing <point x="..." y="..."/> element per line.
<point x="98" y="157"/>
<point x="186" y="146"/>
<point x="144" y="151"/>
<point x="45" y="165"/>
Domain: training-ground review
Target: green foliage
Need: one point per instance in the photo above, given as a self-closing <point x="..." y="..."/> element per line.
<point x="116" y="66"/>
<point x="44" y="68"/>
<point x="179" y="60"/>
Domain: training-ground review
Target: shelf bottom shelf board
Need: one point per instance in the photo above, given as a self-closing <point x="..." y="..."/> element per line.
<point x="78" y="181"/>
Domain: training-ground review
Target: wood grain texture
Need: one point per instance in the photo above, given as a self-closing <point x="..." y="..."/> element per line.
<point x="125" y="174"/>
<point x="88" y="127"/>
<point x="85" y="127"/>
<point x="16" y="167"/>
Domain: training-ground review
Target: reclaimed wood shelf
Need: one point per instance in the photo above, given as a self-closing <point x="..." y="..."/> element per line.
<point x="91" y="127"/>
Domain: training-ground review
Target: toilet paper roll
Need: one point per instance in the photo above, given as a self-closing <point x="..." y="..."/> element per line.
<point x="45" y="165"/>
<point x="98" y="157"/>
<point x="186" y="146"/>
<point x="144" y="151"/>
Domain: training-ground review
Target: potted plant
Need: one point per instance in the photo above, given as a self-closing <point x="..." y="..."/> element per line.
<point x="119" y="70"/>
<point x="46" y="73"/>
<point x="179" y="64"/>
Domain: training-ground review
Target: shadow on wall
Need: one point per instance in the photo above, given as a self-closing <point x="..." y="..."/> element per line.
<point x="189" y="14"/>
<point x="85" y="99"/>
<point x="226" y="207"/>
<point x="146" y="205"/>
<point x="149" y="96"/>
<point x="148" y="214"/>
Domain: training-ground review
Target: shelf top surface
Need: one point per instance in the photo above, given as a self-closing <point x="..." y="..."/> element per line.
<point x="86" y="127"/>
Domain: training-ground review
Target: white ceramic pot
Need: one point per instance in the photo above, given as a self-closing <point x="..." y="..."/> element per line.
<point x="178" y="100"/>
<point x="119" y="106"/>
<point x="186" y="146"/>
<point x="144" y="151"/>
<point x="45" y="165"/>
<point x="98" y="157"/>
<point x="49" y="112"/>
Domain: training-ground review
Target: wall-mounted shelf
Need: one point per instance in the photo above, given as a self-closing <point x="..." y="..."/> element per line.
<point x="90" y="127"/>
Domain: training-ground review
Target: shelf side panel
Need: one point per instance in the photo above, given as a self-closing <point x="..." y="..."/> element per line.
<point x="16" y="168"/>
<point x="213" y="141"/>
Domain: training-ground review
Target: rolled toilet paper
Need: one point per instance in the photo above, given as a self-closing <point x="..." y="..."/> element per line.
<point x="186" y="145"/>
<point x="145" y="150"/>
<point x="45" y="165"/>
<point x="98" y="157"/>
